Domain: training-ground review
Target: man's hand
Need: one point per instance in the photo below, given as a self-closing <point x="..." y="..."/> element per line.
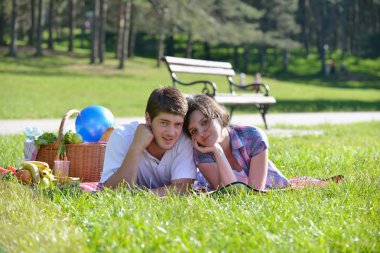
<point x="142" y="138"/>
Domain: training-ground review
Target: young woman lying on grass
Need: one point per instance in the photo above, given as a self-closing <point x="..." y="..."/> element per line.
<point x="226" y="153"/>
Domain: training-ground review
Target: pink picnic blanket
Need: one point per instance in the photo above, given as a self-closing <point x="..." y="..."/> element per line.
<point x="296" y="183"/>
<point x="91" y="186"/>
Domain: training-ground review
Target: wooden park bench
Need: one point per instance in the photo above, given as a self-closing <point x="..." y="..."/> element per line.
<point x="256" y="94"/>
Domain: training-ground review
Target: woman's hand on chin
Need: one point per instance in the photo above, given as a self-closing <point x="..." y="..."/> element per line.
<point x="202" y="149"/>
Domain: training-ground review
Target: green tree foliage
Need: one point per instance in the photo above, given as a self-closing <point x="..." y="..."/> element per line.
<point x="247" y="28"/>
<point x="347" y="25"/>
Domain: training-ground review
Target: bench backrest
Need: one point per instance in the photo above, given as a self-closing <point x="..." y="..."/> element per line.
<point x="194" y="66"/>
<point x="185" y="65"/>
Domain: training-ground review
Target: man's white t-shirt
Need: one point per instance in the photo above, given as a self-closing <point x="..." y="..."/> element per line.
<point x="177" y="163"/>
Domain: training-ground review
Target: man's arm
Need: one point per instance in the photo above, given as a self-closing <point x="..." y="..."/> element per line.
<point x="129" y="168"/>
<point x="180" y="186"/>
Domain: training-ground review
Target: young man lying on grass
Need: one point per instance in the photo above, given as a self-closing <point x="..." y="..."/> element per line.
<point x="156" y="155"/>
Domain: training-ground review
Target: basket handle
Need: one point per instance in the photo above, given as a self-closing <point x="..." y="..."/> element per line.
<point x="60" y="131"/>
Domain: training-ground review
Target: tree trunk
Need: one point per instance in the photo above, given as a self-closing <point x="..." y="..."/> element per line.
<point x="32" y="28"/>
<point x="132" y="42"/>
<point x="82" y="35"/>
<point x="14" y="23"/>
<point x="344" y="33"/>
<point x="72" y="25"/>
<point x="236" y="58"/>
<point x="336" y="31"/>
<point x="161" y="41"/>
<point x="322" y="51"/>
<point x="322" y="37"/>
<point x="262" y="55"/>
<point x="94" y="33"/>
<point x="102" y="21"/>
<point x="132" y="34"/>
<point x="206" y="48"/>
<point x="2" y="23"/>
<point x="246" y="58"/>
<point x="59" y="31"/>
<point x="354" y="28"/>
<point x="377" y="19"/>
<point x="82" y="22"/>
<point x="285" y="59"/>
<point x="189" y="47"/>
<point x="170" y="46"/>
<point x="305" y="25"/>
<point x="275" y="54"/>
<point x="39" y="51"/>
<point x="51" y="14"/>
<point x="125" y="35"/>
<point x="120" y="29"/>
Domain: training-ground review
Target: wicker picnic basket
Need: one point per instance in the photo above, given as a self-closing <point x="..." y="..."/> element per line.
<point x="86" y="159"/>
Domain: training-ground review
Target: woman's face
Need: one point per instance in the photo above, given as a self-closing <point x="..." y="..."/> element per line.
<point x="205" y="131"/>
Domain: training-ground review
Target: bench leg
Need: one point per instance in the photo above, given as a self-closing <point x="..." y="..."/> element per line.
<point x="232" y="109"/>
<point x="263" y="111"/>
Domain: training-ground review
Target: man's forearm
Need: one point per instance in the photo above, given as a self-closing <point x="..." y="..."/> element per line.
<point x="128" y="170"/>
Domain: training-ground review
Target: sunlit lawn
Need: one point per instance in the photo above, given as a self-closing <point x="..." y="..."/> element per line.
<point x="338" y="218"/>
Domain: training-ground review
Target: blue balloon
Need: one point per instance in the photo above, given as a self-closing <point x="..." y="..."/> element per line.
<point x="93" y="121"/>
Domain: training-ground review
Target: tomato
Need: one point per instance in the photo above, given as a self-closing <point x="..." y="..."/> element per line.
<point x="12" y="169"/>
<point x="3" y="171"/>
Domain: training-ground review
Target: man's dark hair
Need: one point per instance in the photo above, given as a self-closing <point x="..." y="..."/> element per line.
<point x="166" y="99"/>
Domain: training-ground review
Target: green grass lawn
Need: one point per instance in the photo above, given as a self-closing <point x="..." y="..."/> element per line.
<point x="47" y="87"/>
<point x="338" y="218"/>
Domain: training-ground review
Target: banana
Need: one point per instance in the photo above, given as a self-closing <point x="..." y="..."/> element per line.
<point x="41" y="165"/>
<point x="51" y="177"/>
<point x="44" y="173"/>
<point x="46" y="169"/>
<point x="33" y="169"/>
<point x="44" y="183"/>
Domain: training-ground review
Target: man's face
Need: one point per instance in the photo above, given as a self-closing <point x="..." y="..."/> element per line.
<point x="166" y="128"/>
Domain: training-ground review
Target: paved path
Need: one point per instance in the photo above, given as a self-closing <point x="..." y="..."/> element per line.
<point x="52" y="125"/>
